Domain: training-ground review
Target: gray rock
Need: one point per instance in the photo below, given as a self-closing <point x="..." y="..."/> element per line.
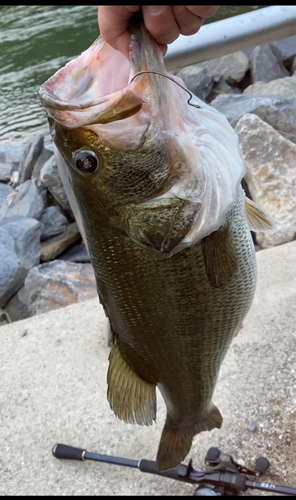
<point x="50" y="249"/>
<point x="51" y="286"/>
<point x="4" y="317"/>
<point x="28" y="162"/>
<point x="232" y="67"/>
<point x="279" y="112"/>
<point x="17" y="307"/>
<point x="265" y="64"/>
<point x="248" y="52"/>
<point x="13" y="152"/>
<point x="26" y="234"/>
<point x="30" y="201"/>
<point x="19" y="252"/>
<point x="50" y="177"/>
<point x="252" y="426"/>
<point x="14" y="179"/>
<point x="49" y="145"/>
<point x="5" y="190"/>
<point x="41" y="160"/>
<point x="5" y="172"/>
<point x="48" y="142"/>
<point x="284" y="49"/>
<point x="286" y="46"/>
<point x="53" y="223"/>
<point x="293" y="67"/>
<point x="281" y="87"/>
<point x="199" y="80"/>
<point x="270" y="161"/>
<point x="221" y="87"/>
<point x="76" y="253"/>
<point x="12" y="272"/>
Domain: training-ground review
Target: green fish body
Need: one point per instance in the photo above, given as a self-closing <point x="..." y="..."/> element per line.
<point x="157" y="185"/>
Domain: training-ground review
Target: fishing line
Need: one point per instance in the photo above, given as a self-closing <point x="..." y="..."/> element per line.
<point x="190" y="94"/>
<point x="172" y="80"/>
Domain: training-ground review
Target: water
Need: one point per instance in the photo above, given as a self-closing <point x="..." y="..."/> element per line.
<point x="35" y="41"/>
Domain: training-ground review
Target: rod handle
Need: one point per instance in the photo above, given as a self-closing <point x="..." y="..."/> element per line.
<point x="69" y="452"/>
<point x="150" y="467"/>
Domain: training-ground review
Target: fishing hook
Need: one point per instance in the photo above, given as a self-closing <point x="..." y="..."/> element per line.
<point x="172" y="80"/>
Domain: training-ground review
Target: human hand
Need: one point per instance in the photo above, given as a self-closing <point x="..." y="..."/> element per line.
<point x="164" y="22"/>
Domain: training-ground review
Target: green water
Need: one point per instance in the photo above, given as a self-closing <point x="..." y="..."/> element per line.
<point x="35" y="41"/>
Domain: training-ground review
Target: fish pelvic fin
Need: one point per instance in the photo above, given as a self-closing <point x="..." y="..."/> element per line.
<point x="175" y="442"/>
<point x="131" y="398"/>
<point x="258" y="220"/>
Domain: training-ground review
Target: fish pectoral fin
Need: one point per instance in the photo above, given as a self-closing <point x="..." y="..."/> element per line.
<point x="131" y="398"/>
<point x="175" y="442"/>
<point x="220" y="257"/>
<point x="257" y="219"/>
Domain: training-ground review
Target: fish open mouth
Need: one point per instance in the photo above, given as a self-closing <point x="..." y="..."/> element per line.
<point x="95" y="87"/>
<point x="75" y="96"/>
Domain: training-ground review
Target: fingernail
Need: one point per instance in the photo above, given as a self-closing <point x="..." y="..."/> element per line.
<point x="154" y="9"/>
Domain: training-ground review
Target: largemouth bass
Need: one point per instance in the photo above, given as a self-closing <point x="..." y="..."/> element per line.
<point x="158" y="186"/>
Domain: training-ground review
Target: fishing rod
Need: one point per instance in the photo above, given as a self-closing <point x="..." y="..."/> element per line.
<point x="223" y="478"/>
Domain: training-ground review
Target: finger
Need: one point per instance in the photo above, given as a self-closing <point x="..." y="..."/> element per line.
<point x="160" y="22"/>
<point x="113" y="24"/>
<point x="188" y="23"/>
<point x="203" y="11"/>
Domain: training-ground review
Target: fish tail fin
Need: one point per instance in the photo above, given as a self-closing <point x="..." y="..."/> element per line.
<point x="174" y="445"/>
<point x="175" y="442"/>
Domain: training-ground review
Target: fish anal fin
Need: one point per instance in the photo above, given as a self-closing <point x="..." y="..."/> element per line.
<point x="220" y="257"/>
<point x="176" y="441"/>
<point x="131" y="398"/>
<point x="257" y="219"/>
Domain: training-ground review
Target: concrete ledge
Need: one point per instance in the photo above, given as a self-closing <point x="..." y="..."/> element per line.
<point x="53" y="389"/>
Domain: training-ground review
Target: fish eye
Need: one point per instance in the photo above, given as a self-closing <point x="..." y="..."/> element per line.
<point x="86" y="161"/>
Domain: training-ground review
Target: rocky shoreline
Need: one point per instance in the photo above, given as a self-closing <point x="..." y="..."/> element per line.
<point x="44" y="264"/>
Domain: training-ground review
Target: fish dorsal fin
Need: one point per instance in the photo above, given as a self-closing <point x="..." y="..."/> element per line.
<point x="131" y="398"/>
<point x="220" y="257"/>
<point x="257" y="219"/>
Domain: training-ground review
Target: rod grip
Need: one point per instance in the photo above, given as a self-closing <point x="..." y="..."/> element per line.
<point x="69" y="452"/>
<point x="150" y="467"/>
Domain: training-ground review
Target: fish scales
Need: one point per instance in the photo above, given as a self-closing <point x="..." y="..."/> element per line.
<point x="155" y="185"/>
<point x="170" y="305"/>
